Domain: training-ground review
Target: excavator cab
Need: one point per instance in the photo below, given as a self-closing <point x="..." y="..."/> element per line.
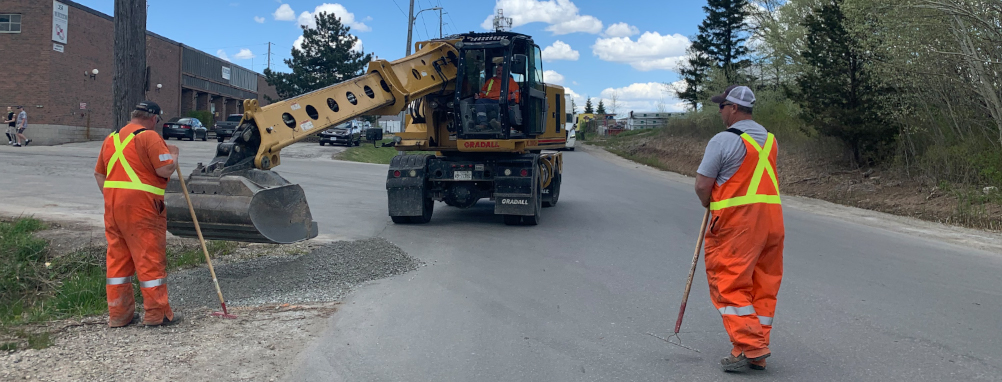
<point x="499" y="90"/>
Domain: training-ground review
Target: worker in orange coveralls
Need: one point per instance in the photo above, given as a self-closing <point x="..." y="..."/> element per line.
<point x="744" y="239"/>
<point x="132" y="172"/>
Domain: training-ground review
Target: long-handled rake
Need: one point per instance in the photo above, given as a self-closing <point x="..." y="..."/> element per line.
<point x="688" y="286"/>
<point x="224" y="313"/>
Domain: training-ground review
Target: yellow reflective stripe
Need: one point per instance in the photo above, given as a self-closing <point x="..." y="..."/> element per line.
<point x="490" y="85"/>
<point x="119" y="157"/>
<point x="133" y="186"/>
<point x="761" y="166"/>
<point x="743" y="200"/>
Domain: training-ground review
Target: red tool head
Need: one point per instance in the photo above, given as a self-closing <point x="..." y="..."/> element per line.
<point x="224" y="313"/>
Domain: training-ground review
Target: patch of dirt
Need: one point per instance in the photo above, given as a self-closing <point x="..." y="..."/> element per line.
<point x="257" y="346"/>
<point x="815" y="171"/>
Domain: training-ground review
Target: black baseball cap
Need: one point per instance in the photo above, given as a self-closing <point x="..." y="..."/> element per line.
<point x="149" y="107"/>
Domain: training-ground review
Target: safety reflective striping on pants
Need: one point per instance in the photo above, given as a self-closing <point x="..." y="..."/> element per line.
<point x="119" y="280"/>
<point x="737" y="310"/>
<point x="765" y="320"/>
<point x="152" y="283"/>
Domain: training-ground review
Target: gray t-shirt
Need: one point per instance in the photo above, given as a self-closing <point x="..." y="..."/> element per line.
<point x="22" y="120"/>
<point x="726" y="151"/>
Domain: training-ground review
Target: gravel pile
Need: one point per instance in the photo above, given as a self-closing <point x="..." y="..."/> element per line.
<point x="327" y="273"/>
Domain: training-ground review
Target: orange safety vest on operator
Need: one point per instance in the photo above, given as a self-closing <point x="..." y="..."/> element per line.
<point x="755" y="182"/>
<point x="492" y="89"/>
<point x="121" y="173"/>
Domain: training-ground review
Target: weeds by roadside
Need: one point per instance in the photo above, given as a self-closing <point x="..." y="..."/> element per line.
<point x="366" y="153"/>
<point x="38" y="285"/>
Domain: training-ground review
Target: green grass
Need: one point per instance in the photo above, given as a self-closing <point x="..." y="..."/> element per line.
<point x="368" y="154"/>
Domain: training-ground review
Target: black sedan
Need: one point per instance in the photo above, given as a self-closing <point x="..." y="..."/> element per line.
<point x="348" y="134"/>
<point x="190" y="128"/>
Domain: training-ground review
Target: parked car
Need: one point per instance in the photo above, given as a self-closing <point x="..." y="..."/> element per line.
<point x="224" y="129"/>
<point x="348" y="134"/>
<point x="190" y="128"/>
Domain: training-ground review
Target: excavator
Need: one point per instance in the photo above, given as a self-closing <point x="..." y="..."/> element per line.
<point x="477" y="100"/>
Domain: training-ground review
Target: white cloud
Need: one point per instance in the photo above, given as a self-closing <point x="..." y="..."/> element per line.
<point x="560" y="51"/>
<point x="621" y="30"/>
<point x="244" y="54"/>
<point x="259" y="19"/>
<point x="640" y="97"/>
<point x="347" y="18"/>
<point x="284" y="13"/>
<point x="586" y="24"/>
<point x="298" y="44"/>
<point x="651" y="50"/>
<point x="222" y="54"/>
<point x="552" y="77"/>
<point x="562" y="15"/>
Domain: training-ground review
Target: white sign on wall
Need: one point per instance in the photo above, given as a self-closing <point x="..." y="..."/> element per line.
<point x="58" y="47"/>
<point x="60" y="21"/>
<point x="226" y="73"/>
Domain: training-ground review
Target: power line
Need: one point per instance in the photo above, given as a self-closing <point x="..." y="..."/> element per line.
<point x="427" y="35"/>
<point x="400" y="9"/>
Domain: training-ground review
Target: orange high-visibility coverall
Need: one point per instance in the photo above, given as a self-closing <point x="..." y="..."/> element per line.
<point x="135" y="222"/>
<point x="744" y="248"/>
<point x="492" y="89"/>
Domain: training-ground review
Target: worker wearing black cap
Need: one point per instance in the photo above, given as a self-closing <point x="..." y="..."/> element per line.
<point x="132" y="172"/>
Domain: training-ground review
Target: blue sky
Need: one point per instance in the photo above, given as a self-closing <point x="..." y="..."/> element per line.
<point x="592" y="47"/>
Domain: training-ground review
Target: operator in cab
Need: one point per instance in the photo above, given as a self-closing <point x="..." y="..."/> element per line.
<point x="490" y="93"/>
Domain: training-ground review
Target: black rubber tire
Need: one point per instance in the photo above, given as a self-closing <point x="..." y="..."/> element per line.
<point x="205" y="136"/>
<point x="219" y="139"/>
<point x="321" y="143"/>
<point x="426" y="211"/>
<point x="534" y="219"/>
<point x="512" y="219"/>
<point x="400" y="219"/>
<point x="554" y="192"/>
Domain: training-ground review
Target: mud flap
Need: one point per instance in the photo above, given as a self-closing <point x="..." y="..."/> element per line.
<point x="514" y="194"/>
<point x="251" y="205"/>
<point x="405" y="185"/>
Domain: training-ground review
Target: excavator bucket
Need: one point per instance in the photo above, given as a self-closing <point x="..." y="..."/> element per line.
<point x="251" y="205"/>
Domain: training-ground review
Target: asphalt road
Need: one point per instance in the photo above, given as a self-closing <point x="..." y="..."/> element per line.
<point x="865" y="297"/>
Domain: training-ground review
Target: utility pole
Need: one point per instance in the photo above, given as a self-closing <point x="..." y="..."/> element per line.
<point x="269" y="55"/>
<point x="129" y="81"/>
<point x="439" y="22"/>
<point x="410" y="27"/>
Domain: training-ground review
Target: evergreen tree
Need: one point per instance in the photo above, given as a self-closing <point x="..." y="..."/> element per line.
<point x="601" y="107"/>
<point x="723" y="33"/>
<point x="574" y="106"/>
<point x="588" y="108"/>
<point x="694" y="72"/>
<point x="326" y="57"/>
<point x="838" y="95"/>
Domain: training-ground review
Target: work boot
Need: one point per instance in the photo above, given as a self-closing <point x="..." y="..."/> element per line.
<point x="495" y="124"/>
<point x="756" y="365"/>
<point x="135" y="319"/>
<point x="732" y="363"/>
<point x="166" y="322"/>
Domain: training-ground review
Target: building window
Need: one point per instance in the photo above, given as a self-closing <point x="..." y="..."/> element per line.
<point x="10" y="23"/>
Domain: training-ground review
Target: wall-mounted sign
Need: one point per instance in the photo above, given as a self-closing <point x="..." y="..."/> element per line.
<point x="60" y="21"/>
<point x="58" y="47"/>
<point x="83" y="106"/>
<point x="226" y="73"/>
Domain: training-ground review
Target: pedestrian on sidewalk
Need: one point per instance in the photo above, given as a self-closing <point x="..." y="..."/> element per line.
<point x="132" y="171"/>
<point x="21" y="124"/>
<point x="744" y="239"/>
<point x="11" y="130"/>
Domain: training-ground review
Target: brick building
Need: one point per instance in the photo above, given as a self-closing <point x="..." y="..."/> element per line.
<point x="49" y="51"/>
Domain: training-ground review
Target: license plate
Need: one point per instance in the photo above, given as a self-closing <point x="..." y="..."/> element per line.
<point x="462" y="175"/>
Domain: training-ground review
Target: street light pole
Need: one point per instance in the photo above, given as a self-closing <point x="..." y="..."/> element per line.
<point x="413" y="17"/>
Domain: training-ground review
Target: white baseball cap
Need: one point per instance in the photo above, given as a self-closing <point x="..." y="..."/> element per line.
<point x="736" y="94"/>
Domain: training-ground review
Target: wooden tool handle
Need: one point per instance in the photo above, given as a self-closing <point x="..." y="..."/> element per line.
<point x="692" y="269"/>
<point x="201" y="240"/>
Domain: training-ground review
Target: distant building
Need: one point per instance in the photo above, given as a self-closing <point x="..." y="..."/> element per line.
<point x="648" y="119"/>
<point x="57" y="59"/>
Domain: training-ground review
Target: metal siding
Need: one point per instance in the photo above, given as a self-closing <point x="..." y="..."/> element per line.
<point x="203" y="65"/>
<point x="200" y="84"/>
